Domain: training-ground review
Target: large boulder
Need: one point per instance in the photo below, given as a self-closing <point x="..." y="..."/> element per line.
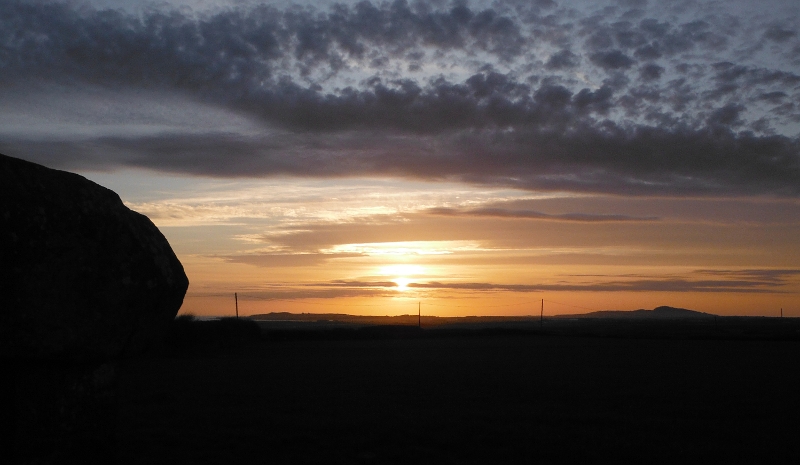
<point x="84" y="278"/>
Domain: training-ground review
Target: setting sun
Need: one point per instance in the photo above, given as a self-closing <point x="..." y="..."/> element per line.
<point x="402" y="274"/>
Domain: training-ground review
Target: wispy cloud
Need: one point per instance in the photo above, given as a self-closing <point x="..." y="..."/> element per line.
<point x="641" y="285"/>
<point x="530" y="214"/>
<point x="736" y="281"/>
<point x="727" y="281"/>
<point x="285" y="259"/>
<point x="329" y="292"/>
<point x="773" y="277"/>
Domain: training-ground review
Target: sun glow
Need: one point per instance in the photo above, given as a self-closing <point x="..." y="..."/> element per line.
<point x="401" y="269"/>
<point x="402" y="274"/>
<point x="402" y="283"/>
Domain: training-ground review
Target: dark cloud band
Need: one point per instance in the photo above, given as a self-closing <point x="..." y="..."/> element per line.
<point x="666" y="117"/>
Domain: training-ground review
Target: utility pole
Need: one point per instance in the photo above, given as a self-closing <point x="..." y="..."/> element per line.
<point x="541" y="316"/>
<point x="781" y="312"/>
<point x="236" y="299"/>
<point x="419" y="315"/>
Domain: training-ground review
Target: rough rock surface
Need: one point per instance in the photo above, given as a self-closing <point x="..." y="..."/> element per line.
<point x="84" y="278"/>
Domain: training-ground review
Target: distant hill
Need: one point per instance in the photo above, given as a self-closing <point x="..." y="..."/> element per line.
<point x="285" y="320"/>
<point x="658" y="313"/>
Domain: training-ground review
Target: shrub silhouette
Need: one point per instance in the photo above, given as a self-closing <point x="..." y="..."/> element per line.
<point x="189" y="336"/>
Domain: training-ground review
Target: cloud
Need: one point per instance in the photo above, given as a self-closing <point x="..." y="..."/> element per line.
<point x="773" y="97"/>
<point x="738" y="281"/>
<point x="271" y="260"/>
<point x="726" y="72"/>
<point x="643" y="285"/>
<point x="613" y="59"/>
<point x="779" y="34"/>
<point x="748" y="282"/>
<point x="633" y="161"/>
<point x="719" y="281"/>
<point x="651" y="71"/>
<point x="496" y="96"/>
<point x="769" y="277"/>
<point x="297" y="293"/>
<point x="648" y="52"/>
<point x="530" y="214"/>
<point x="237" y="46"/>
<point x="563" y="59"/>
<point x="359" y="284"/>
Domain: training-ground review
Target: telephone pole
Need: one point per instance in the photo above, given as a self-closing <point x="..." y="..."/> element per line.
<point x="541" y="316"/>
<point x="419" y="315"/>
<point x="236" y="299"/>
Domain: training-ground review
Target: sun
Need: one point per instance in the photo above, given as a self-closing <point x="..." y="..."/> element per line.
<point x="402" y="274"/>
<point x="402" y="283"/>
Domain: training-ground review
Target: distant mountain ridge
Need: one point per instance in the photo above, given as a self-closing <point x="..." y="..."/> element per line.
<point x="658" y="313"/>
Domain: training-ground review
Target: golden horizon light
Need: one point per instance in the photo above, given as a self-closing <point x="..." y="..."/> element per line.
<point x="472" y="158"/>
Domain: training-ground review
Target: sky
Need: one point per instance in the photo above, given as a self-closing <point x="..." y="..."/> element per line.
<point x="465" y="158"/>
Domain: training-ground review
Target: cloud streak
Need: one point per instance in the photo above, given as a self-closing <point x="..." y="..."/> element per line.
<point x="642" y="285"/>
<point x="727" y="281"/>
<point x="533" y="215"/>
<point x="271" y="260"/>
<point x="723" y="281"/>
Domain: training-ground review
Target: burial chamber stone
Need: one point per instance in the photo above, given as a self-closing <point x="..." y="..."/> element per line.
<point x="84" y="278"/>
<point x="84" y="281"/>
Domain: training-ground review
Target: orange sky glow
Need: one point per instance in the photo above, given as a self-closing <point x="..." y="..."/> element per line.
<point x="470" y="157"/>
<point x="383" y="247"/>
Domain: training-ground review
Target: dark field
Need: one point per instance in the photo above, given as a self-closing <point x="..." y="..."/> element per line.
<point x="469" y="396"/>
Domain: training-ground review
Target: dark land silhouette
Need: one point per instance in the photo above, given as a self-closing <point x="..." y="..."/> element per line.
<point x="574" y="391"/>
<point x="97" y="369"/>
<point x="661" y="322"/>
<point x="660" y="313"/>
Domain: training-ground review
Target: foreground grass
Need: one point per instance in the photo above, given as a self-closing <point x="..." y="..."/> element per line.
<point x="491" y="398"/>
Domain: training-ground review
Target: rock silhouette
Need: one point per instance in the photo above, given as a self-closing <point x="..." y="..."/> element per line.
<point x="85" y="277"/>
<point x="85" y="281"/>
